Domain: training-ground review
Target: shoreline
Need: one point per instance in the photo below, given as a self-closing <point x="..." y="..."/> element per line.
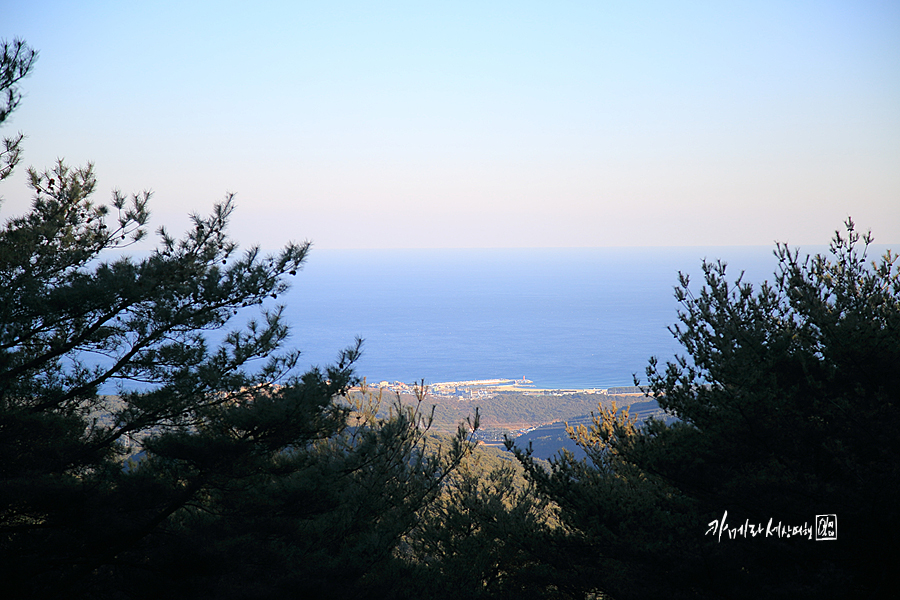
<point x="482" y="386"/>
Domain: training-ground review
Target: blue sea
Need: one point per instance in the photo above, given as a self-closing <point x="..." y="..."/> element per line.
<point x="563" y="318"/>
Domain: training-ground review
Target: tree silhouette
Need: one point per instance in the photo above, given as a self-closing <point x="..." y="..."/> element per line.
<point x="215" y="470"/>
<point x="787" y="408"/>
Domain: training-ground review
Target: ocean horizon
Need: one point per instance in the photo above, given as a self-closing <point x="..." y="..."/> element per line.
<point x="564" y="318"/>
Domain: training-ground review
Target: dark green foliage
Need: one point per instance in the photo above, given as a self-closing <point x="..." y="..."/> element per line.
<point x="216" y="471"/>
<point x="478" y="540"/>
<point x="16" y="61"/>
<point x="253" y="482"/>
<point x="322" y="520"/>
<point x="787" y="409"/>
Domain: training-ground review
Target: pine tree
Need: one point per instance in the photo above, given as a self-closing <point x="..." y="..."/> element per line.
<point x="215" y="469"/>
<point x="477" y="540"/>
<point x="787" y="408"/>
<point x="16" y="62"/>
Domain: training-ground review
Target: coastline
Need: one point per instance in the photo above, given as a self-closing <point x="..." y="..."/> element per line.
<point x="474" y="387"/>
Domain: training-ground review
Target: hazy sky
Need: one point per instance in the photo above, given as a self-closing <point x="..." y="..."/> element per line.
<point x="476" y="124"/>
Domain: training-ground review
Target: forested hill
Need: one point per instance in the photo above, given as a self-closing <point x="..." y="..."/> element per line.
<point x="547" y="440"/>
<point x="512" y="411"/>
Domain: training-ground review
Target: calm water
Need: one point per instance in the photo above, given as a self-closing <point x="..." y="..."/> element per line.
<point x="578" y="318"/>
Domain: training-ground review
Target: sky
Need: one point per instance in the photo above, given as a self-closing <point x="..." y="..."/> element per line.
<point x="475" y="124"/>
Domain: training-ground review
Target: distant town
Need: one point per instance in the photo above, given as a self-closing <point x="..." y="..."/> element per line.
<point x="511" y="408"/>
<point x="488" y="388"/>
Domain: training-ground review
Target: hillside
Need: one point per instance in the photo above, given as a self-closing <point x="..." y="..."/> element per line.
<point x="547" y="440"/>
<point x="512" y="411"/>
